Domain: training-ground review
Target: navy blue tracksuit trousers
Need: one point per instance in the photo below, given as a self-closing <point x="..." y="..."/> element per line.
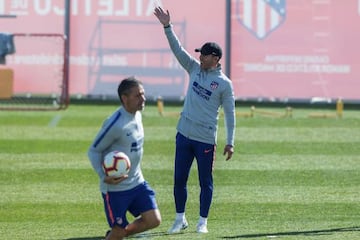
<point x="204" y="153"/>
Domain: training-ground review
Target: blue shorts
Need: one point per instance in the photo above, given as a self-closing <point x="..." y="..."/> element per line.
<point x="137" y="200"/>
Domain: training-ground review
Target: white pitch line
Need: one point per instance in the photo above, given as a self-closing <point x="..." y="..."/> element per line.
<point x="54" y="122"/>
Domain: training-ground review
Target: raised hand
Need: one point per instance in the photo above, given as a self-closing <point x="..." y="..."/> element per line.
<point x="164" y="17"/>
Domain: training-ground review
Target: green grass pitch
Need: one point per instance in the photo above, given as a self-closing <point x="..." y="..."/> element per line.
<point x="290" y="178"/>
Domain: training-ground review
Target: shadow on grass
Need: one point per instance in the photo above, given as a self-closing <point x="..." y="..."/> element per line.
<point x="141" y="235"/>
<point x="299" y="233"/>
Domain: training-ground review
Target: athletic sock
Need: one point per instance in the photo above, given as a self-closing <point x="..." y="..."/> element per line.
<point x="180" y="216"/>
<point x="202" y="221"/>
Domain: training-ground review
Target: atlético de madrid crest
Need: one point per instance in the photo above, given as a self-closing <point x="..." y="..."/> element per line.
<point x="214" y="85"/>
<point x="261" y="17"/>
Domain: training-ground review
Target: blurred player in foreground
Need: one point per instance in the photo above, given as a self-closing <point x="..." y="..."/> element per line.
<point x="123" y="131"/>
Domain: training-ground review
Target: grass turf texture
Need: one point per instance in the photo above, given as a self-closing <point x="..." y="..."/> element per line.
<point x="290" y="178"/>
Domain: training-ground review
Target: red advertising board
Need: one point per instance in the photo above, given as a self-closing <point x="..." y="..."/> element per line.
<point x="295" y="49"/>
<point x="280" y="49"/>
<point x="112" y="39"/>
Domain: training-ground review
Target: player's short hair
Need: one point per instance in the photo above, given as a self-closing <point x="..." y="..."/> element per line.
<point x="126" y="85"/>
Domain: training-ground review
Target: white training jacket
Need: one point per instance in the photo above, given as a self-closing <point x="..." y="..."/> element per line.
<point x="207" y="92"/>
<point x="124" y="132"/>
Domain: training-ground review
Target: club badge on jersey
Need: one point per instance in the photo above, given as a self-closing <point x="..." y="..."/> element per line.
<point x="214" y="85"/>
